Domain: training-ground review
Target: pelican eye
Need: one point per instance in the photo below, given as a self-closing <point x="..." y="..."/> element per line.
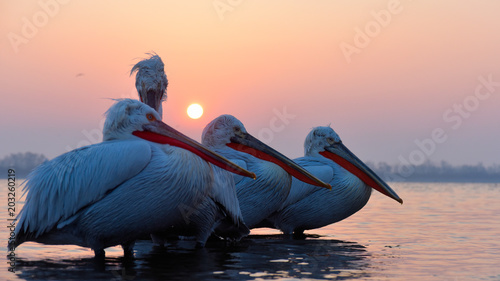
<point x="237" y="129"/>
<point x="150" y="117"/>
<point x="330" y="140"/>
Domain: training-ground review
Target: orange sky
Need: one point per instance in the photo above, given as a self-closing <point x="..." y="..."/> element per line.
<point x="254" y="59"/>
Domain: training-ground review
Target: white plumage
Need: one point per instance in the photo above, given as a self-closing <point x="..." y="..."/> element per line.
<point x="308" y="207"/>
<point x="261" y="197"/>
<point x="151" y="83"/>
<point x="116" y="191"/>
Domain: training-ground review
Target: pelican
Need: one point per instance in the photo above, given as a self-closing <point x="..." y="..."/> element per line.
<point x="151" y="81"/>
<point x="132" y="184"/>
<point x="352" y="182"/>
<point x="151" y="84"/>
<point x="258" y="198"/>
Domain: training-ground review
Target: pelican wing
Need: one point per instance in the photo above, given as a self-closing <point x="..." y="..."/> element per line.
<point x="224" y="192"/>
<point x="241" y="163"/>
<point x="57" y="189"/>
<point x="299" y="189"/>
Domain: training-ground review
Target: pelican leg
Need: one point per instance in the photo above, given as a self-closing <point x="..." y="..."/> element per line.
<point x="128" y="249"/>
<point x="201" y="239"/>
<point x="99" y="254"/>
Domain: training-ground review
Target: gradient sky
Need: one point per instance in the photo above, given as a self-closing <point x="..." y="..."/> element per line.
<point x="421" y="63"/>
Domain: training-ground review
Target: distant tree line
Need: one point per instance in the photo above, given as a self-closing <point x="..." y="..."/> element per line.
<point x="22" y="163"/>
<point x="25" y="162"/>
<point x="437" y="172"/>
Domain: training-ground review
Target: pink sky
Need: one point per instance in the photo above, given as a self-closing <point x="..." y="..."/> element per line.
<point x="421" y="61"/>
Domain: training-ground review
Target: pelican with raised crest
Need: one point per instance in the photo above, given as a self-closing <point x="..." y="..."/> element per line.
<point x="151" y="84"/>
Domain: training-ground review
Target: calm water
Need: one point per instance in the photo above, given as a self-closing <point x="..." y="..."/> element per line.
<point x="442" y="232"/>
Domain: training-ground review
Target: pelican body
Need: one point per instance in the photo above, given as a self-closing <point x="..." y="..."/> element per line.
<point x="307" y="207"/>
<point x="258" y="198"/>
<point x="151" y="84"/>
<point x="132" y="184"/>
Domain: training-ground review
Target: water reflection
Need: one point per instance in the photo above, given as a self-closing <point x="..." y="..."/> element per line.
<point x="258" y="256"/>
<point x="442" y="232"/>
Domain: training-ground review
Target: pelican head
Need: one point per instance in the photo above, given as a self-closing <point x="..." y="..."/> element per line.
<point x="129" y="119"/>
<point x="151" y="81"/>
<point x="125" y="117"/>
<point x="227" y="131"/>
<point x="324" y="142"/>
<point x="219" y="132"/>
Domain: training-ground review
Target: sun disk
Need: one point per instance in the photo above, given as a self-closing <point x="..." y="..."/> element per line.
<point x="194" y="111"/>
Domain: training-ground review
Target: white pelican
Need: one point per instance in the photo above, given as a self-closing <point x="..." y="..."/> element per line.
<point x="126" y="187"/>
<point x="151" y="81"/>
<point x="258" y="198"/>
<point x="151" y="84"/>
<point x="352" y="182"/>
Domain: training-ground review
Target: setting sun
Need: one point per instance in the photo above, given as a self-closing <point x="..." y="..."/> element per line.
<point x="195" y="111"/>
